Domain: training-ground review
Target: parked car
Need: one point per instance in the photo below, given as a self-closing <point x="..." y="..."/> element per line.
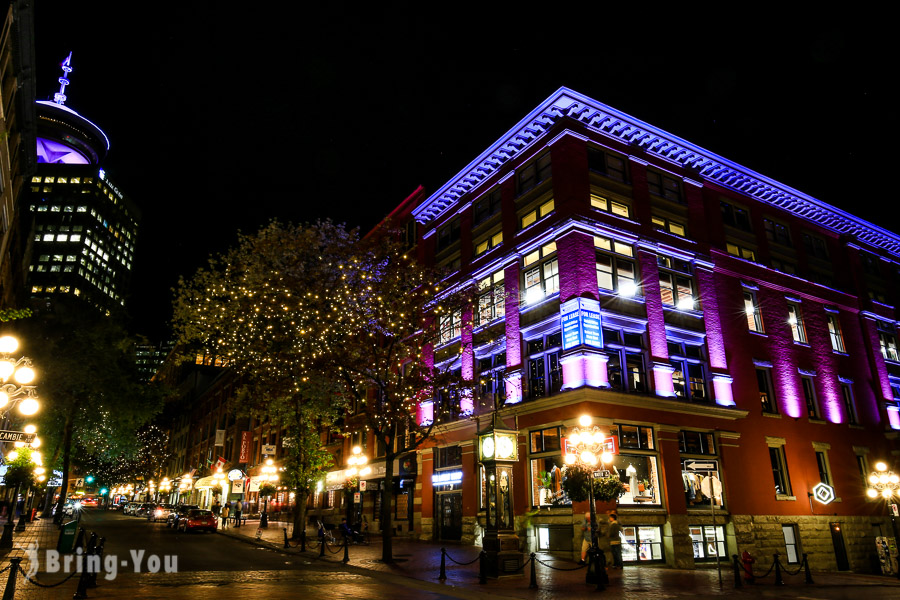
<point x="160" y="513"/>
<point x="130" y="507"/>
<point x="180" y="511"/>
<point x="198" y="519"/>
<point x="144" y="508"/>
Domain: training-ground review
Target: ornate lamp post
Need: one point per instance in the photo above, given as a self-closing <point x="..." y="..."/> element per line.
<point x="885" y="483"/>
<point x="269" y="475"/>
<point x="356" y="467"/>
<point x="165" y="486"/>
<point x="585" y="446"/>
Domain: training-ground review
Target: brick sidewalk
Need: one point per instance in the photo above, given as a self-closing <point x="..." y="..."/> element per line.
<point x="421" y="561"/>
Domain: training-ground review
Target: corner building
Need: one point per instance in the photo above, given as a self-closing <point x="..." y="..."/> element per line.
<point x="741" y="323"/>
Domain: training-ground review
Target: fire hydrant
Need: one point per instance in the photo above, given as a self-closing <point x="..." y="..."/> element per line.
<point x="747" y="560"/>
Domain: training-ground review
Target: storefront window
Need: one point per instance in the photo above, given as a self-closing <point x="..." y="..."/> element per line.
<point x="700" y="486"/>
<point x="640" y="475"/>
<point x="547" y="468"/>
<point x="641" y="544"/>
<point x="708" y="541"/>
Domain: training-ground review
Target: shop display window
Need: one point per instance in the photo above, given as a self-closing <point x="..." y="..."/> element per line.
<point x="708" y="541"/>
<point x="547" y="475"/>
<point x="642" y="544"/>
<point x="640" y="475"/>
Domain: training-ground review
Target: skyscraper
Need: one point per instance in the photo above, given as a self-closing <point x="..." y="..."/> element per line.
<point x="83" y="229"/>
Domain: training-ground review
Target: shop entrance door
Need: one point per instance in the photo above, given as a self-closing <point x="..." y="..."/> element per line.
<point x="450" y="516"/>
<point x="840" y="550"/>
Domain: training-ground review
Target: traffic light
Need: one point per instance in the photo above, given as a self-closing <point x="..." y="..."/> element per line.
<point x="103" y="491"/>
<point x="89" y="479"/>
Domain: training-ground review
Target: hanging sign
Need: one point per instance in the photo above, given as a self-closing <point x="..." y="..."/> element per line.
<point x="823" y="492"/>
<point x="362" y="485"/>
<point x="237" y="486"/>
<point x="268" y="449"/>
<point x="220" y="437"/>
<point x="580" y="318"/>
<point x="245" y="446"/>
<point x="235" y="475"/>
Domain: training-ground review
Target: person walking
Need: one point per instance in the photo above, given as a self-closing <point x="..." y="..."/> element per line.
<point x="216" y="508"/>
<point x="587" y="529"/>
<point x="225" y="510"/>
<point x="237" y="513"/>
<point x="614" y="534"/>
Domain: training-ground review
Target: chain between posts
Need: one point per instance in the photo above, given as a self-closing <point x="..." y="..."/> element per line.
<point x="578" y="568"/>
<point x="453" y="560"/>
<point x="45" y="585"/>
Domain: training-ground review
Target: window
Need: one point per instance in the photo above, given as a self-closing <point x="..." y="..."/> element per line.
<point x="664" y="185"/>
<point x="447" y="408"/>
<point x="815" y="246"/>
<point x="492" y="300"/>
<point x="752" y="311"/>
<point x="543" y="280"/>
<point x="887" y="340"/>
<point x="708" y="541"/>
<point x="698" y="442"/>
<point x="535" y="215"/>
<point x="869" y="263"/>
<point x="795" y="320"/>
<point x="791" y="543"/>
<point x="626" y="361"/>
<point x="777" y="232"/>
<point x="486" y="207"/>
<point x="607" y="164"/>
<point x="688" y="378"/>
<point x="450" y="456"/>
<point x="448" y="235"/>
<point x="834" y="332"/>
<point x="676" y="288"/>
<point x="492" y="384"/>
<point x="614" y="272"/>
<point x="809" y="396"/>
<point x="779" y="471"/>
<point x="547" y="468"/>
<point x="782" y="266"/>
<point x="740" y="251"/>
<point x="673" y="227"/>
<point x="822" y="464"/>
<point x="544" y="370"/>
<point x="849" y="404"/>
<point x="642" y="544"/>
<point x="488" y="243"/>
<point x="610" y="206"/>
<point x="451" y="326"/>
<point x="410" y="235"/>
<point x="534" y="173"/>
<point x="766" y="393"/>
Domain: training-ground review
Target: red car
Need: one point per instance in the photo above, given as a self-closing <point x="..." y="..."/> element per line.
<point x="198" y="520"/>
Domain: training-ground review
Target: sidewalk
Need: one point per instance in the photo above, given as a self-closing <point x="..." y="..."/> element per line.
<point x="421" y="561"/>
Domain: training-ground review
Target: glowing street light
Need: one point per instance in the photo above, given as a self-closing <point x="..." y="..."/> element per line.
<point x="886" y="484"/>
<point x="17" y="376"/>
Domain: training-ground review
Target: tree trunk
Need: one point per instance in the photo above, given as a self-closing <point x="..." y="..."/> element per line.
<point x="67" y="456"/>
<point x="387" y="529"/>
<point x="300" y="497"/>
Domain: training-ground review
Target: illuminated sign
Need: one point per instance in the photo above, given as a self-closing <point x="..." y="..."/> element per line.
<point x="446" y="477"/>
<point x="823" y="492"/>
<point x="580" y="319"/>
<point x="235" y="474"/>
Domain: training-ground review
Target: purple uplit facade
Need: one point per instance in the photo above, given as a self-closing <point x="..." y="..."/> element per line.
<point x="694" y="309"/>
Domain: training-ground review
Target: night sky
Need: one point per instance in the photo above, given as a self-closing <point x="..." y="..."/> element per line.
<point x="222" y="116"/>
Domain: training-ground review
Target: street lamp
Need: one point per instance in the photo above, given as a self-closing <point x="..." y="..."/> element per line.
<point x="356" y="467"/>
<point x="585" y="446"/>
<point x="269" y="475"/>
<point x="885" y="483"/>
<point x="16" y="378"/>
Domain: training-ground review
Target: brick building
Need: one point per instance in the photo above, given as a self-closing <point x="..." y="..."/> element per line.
<point x="717" y="316"/>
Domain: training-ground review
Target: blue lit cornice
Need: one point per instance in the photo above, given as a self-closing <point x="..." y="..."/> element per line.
<point x="605" y="120"/>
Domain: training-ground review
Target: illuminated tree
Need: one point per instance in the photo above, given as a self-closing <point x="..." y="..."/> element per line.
<point x="262" y="306"/>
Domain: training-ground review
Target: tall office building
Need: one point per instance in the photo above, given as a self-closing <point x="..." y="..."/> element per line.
<point x="84" y="229"/>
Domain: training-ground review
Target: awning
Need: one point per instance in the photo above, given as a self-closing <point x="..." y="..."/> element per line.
<point x="206" y="483"/>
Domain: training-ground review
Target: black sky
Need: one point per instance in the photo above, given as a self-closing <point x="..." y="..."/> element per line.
<point x="222" y="116"/>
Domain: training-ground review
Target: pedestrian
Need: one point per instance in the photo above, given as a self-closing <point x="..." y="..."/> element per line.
<point x="587" y="528"/>
<point x="614" y="534"/>
<point x="237" y="514"/>
<point x="216" y="508"/>
<point x="345" y="530"/>
<point x="225" y="511"/>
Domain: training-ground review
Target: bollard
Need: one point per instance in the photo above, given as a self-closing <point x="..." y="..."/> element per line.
<point x="603" y="578"/>
<point x="443" y="575"/>
<point x="79" y="540"/>
<point x="809" y="578"/>
<point x="286" y="543"/>
<point x="533" y="583"/>
<point x="10" y="592"/>
<point x="778" y="578"/>
<point x="83" y="580"/>
<point x="98" y="552"/>
<point x="738" y="580"/>
<point x="346" y="549"/>
<point x="92" y="543"/>
<point x="482" y="576"/>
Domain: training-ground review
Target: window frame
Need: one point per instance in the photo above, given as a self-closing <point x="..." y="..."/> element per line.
<point x="619" y="351"/>
<point x="849" y="402"/>
<point x="811" y="401"/>
<point x="835" y="334"/>
<point x="549" y="355"/>
<point x="777" y="232"/>
<point x="796" y="323"/>
<point x="493" y="289"/>
<point x="683" y="363"/>
<point x="731" y="216"/>
<point x="539" y="213"/>
<point x="609" y="171"/>
<point x="666" y="224"/>
<point x="487" y="206"/>
<point x="666" y="186"/>
<point x="546" y="258"/>
<point x="753" y="311"/>
<point x="770" y="403"/>
<point x="610" y="206"/>
<point x="780" y="473"/>
<point x="674" y="286"/>
<point x="540" y="170"/>
<point x="490" y="241"/>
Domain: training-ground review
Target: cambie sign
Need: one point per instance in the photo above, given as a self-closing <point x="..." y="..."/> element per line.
<point x="16" y="436"/>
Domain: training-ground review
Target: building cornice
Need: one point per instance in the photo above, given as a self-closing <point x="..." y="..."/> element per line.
<point x="706" y="166"/>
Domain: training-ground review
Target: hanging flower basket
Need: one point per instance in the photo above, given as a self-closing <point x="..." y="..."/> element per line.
<point x="577" y="479"/>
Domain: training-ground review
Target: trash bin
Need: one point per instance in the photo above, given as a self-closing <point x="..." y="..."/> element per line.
<point x="67" y="535"/>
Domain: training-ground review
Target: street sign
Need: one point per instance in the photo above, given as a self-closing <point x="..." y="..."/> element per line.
<point x="357" y="497"/>
<point x="823" y="492"/>
<point x="362" y="485"/>
<point x="701" y="465"/>
<point x="268" y="449"/>
<point x="894" y="510"/>
<point x="600" y="474"/>
<point x="16" y="436"/>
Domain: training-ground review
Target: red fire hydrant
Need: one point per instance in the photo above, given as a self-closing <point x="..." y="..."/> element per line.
<point x="748" y="560"/>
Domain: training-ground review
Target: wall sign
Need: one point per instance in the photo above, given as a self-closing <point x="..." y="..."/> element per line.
<point x="235" y="474"/>
<point x="245" y="446"/>
<point x="823" y="492"/>
<point x="580" y="318"/>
